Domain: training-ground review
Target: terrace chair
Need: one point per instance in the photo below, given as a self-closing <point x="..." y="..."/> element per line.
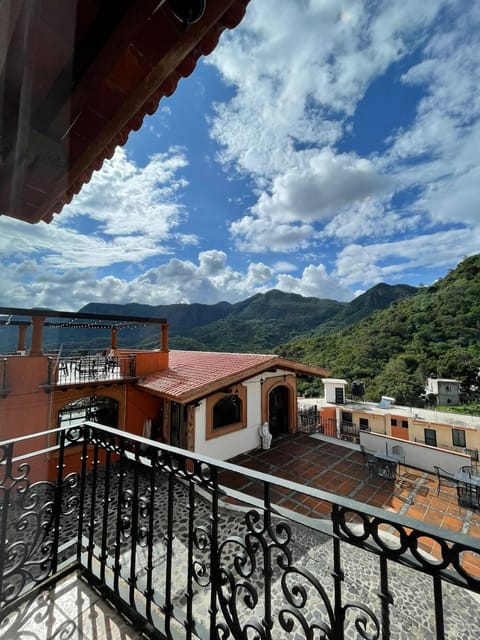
<point x="372" y="464"/>
<point x="399" y="451"/>
<point x="469" y="470"/>
<point x="444" y="478"/>
<point x="472" y="470"/>
<point x="365" y="453"/>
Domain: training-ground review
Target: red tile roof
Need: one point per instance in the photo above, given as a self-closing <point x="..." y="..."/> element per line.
<point x="193" y="371"/>
<point x="193" y="374"/>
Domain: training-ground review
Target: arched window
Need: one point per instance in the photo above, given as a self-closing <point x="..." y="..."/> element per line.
<point x="228" y="410"/>
<point x="101" y="409"/>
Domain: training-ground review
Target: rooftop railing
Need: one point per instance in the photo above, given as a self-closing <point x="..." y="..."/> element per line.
<point x="65" y="370"/>
<point x="164" y="536"/>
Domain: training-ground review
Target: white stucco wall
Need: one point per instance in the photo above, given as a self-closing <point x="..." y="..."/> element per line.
<point x="233" y="444"/>
<point x="420" y="456"/>
<point x="330" y="385"/>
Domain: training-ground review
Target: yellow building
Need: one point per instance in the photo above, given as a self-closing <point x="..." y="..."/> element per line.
<point x="453" y="431"/>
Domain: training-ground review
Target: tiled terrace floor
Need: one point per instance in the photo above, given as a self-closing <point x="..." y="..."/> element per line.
<point x="68" y="610"/>
<point x="339" y="468"/>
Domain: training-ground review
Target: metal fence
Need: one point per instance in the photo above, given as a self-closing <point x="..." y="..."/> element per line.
<point x="161" y="533"/>
<point x="89" y="368"/>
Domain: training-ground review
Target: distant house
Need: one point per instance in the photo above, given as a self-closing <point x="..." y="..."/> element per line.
<point x="446" y="390"/>
<point x="346" y="418"/>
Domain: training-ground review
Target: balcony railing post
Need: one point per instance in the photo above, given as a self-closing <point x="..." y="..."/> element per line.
<point x="58" y="502"/>
<point x="189" y="593"/>
<point x="385" y="597"/>
<point x="132" y="364"/>
<point x="215" y="577"/>
<point x="117" y="566"/>
<point x="149" y="590"/>
<point x="6" y="455"/>
<point x="438" y="601"/>
<point x="83" y="482"/>
<point x="93" y="500"/>
<point x="50" y="370"/>
<point x="169" y="535"/>
<point x="132" y="579"/>
<point x="267" y="618"/>
<point x="338" y="578"/>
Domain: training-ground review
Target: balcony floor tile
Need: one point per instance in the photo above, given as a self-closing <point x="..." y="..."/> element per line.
<point x="68" y="609"/>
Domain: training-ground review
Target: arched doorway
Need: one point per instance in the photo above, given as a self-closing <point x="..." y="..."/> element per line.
<point x="278" y="410"/>
<point x="101" y="409"/>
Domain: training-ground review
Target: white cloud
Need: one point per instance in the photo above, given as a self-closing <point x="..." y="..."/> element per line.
<point x="283" y="266"/>
<point x="127" y="200"/>
<point x="124" y="214"/>
<point x="300" y="89"/>
<point x="208" y="281"/>
<point x="299" y="97"/>
<point x="316" y="282"/>
<point x="390" y="261"/>
<point x="325" y="184"/>
<point x="438" y="154"/>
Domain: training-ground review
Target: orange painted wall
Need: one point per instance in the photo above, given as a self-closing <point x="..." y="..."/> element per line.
<point x="140" y="405"/>
<point x="400" y="432"/>
<point x="25" y="409"/>
<point x="146" y="361"/>
<point x="29" y="408"/>
<point x="329" y="413"/>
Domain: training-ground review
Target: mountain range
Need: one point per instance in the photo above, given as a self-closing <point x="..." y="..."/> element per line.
<point x="257" y="324"/>
<point x="391" y="337"/>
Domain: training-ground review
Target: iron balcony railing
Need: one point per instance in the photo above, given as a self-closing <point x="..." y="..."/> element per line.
<point x="349" y="430"/>
<point x="309" y="420"/>
<point x="162" y="535"/>
<point x="65" y="370"/>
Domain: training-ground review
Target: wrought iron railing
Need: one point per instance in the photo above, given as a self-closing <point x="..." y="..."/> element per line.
<point x="309" y="420"/>
<point x="349" y="430"/>
<point x="65" y="370"/>
<point x="161" y="534"/>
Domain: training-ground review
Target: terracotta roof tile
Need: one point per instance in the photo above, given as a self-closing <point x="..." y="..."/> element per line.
<point x="193" y="371"/>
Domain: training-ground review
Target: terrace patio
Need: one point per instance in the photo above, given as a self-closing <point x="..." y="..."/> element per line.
<point x="185" y="554"/>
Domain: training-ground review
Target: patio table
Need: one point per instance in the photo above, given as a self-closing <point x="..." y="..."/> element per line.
<point x="387" y="464"/>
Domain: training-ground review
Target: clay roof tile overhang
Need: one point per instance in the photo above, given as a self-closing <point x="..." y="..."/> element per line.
<point x="193" y="375"/>
<point x="76" y="77"/>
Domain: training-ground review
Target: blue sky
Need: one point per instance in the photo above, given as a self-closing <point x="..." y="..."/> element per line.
<point x="323" y="147"/>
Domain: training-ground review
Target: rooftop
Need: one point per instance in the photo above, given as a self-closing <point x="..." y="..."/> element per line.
<point x="418" y="415"/>
<point x="332" y="465"/>
<point x="193" y="374"/>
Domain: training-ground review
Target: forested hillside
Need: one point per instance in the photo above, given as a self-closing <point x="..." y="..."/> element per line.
<point x="393" y="351"/>
<point x="257" y="324"/>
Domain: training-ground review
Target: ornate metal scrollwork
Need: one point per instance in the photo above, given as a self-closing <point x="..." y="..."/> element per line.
<point x="263" y="572"/>
<point x="400" y="540"/>
<point x="28" y="551"/>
